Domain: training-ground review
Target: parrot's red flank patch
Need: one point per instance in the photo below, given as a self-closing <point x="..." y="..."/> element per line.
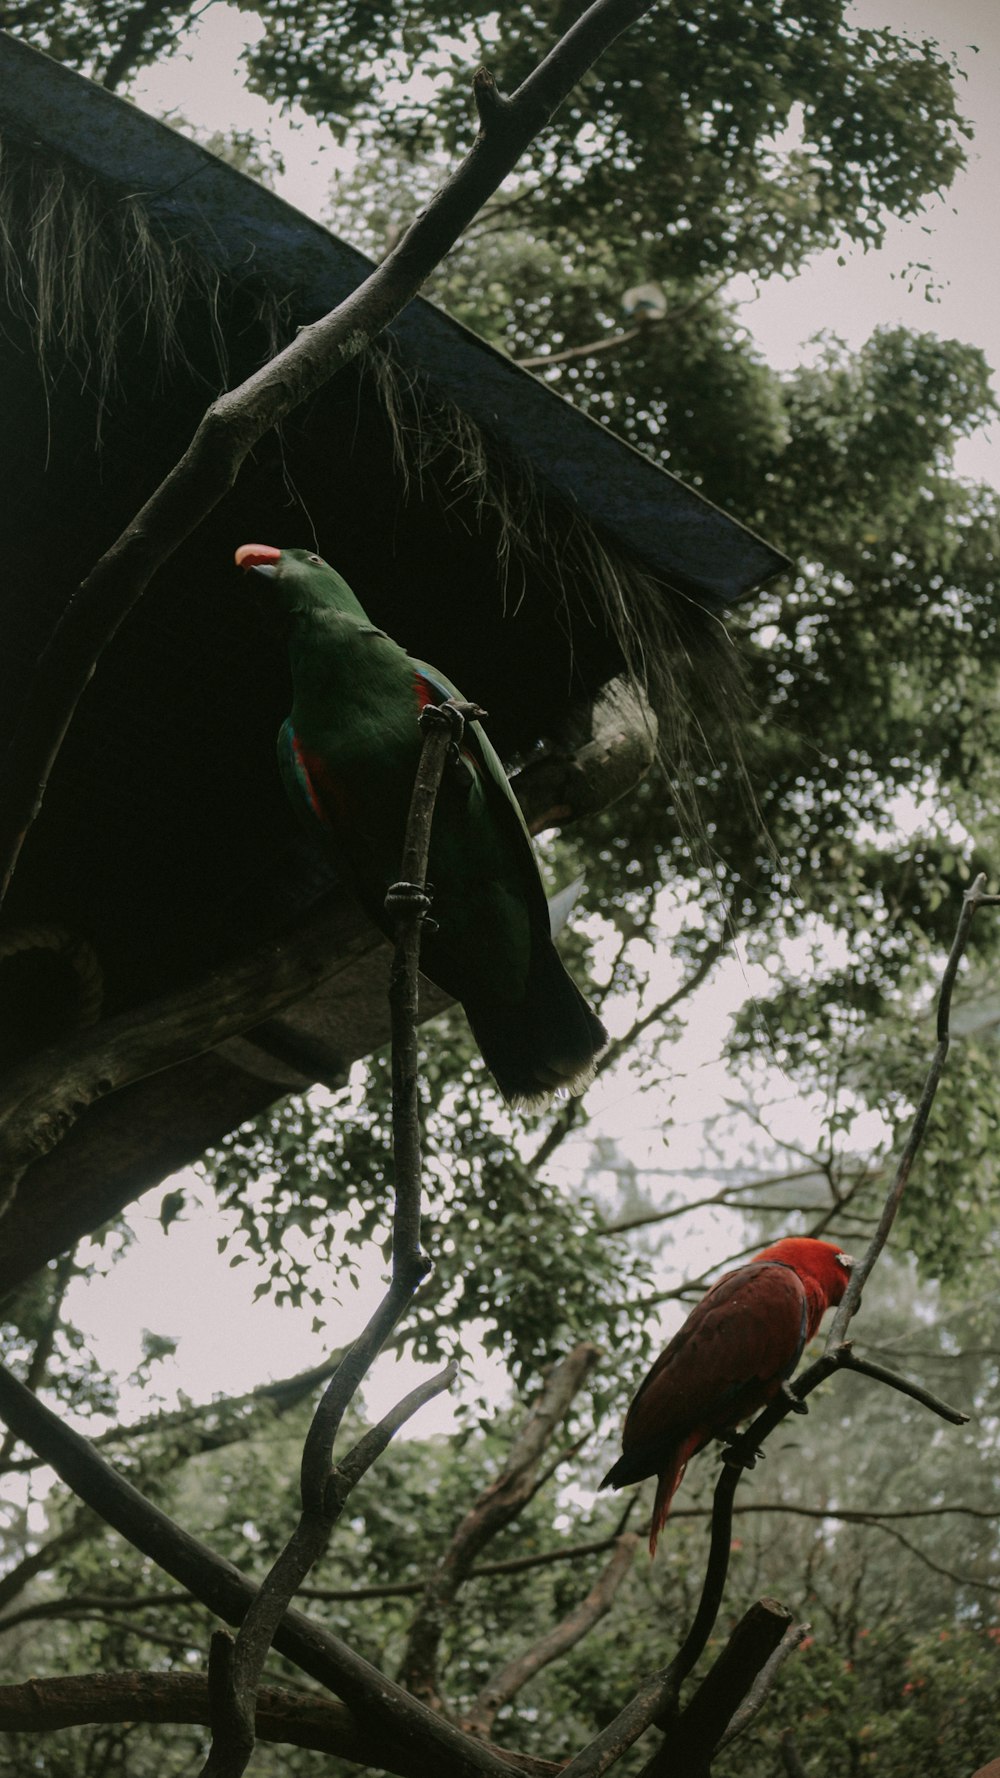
<point x="426" y="695"/>
<point x="329" y="799"/>
<point x="257" y="555"/>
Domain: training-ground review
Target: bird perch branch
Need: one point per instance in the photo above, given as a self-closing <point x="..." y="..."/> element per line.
<point x="235" y="1668"/>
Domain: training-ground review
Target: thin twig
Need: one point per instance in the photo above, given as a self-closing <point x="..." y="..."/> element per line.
<point x="570" y="1113"/>
<point x="608" y="342"/>
<point x="515" y="1674"/>
<point x="952" y="1574"/>
<point x="860" y="1273"/>
<point x="850" y="1362"/>
<point x="495" y="1508"/>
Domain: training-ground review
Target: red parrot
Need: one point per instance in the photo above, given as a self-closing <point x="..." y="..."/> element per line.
<point x="728" y="1360"/>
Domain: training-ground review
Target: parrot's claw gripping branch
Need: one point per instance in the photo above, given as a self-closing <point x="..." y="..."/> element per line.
<point x="790" y="1395"/>
<point x="742" y="1453"/>
<point x="452" y="715"/>
<point x="407" y="901"/>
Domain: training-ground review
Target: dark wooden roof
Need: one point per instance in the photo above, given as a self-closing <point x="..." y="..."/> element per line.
<point x="164" y="845"/>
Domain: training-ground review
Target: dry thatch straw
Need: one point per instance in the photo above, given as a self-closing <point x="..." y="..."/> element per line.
<point x="80" y="263"/>
<point x="83" y="262"/>
<point x="680" y="655"/>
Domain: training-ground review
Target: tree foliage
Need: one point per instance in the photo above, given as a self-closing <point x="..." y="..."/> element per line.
<point x="714" y="139"/>
<point x="902" y="1608"/>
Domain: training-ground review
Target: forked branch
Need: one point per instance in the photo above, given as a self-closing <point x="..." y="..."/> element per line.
<point x="235" y="1668"/>
<point x="657" y="1699"/>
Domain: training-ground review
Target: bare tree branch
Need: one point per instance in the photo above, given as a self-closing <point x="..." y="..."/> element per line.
<point x="763" y="1685"/>
<point x="505" y="1684"/>
<point x="731" y="1196"/>
<point x="846" y="1515"/>
<point x="103" y="1605"/>
<point x="385" y="1708"/>
<point x="294" y="1718"/>
<point x="686" y="1751"/>
<point x="496" y="1507"/>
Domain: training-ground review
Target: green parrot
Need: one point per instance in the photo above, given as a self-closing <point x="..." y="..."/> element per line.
<point x="348" y="755"/>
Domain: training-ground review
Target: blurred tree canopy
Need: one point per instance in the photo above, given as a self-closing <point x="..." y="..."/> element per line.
<point x="833" y="845"/>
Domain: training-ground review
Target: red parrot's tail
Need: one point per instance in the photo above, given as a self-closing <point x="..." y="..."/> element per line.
<point x="669" y="1482"/>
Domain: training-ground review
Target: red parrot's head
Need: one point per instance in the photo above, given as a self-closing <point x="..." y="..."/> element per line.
<point x="823" y="1268"/>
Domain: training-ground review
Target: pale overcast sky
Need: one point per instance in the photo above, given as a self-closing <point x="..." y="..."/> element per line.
<point x="958" y="235"/>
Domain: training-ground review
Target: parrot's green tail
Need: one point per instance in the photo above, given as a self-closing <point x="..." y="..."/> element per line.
<point x="550" y="1042"/>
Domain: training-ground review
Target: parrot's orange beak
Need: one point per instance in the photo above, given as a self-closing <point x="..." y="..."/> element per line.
<point x="847" y="1260"/>
<point x="262" y="556"/>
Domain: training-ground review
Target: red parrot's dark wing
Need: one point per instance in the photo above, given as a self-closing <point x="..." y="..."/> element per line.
<point x="727" y="1360"/>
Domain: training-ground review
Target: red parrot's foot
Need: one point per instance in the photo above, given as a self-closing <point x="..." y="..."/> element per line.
<point x="740" y="1453"/>
<point x="795" y="1402"/>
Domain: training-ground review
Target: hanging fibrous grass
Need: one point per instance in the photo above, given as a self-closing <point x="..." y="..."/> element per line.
<point x="91" y="272"/>
<point x="680" y="656"/>
<point x="83" y="264"/>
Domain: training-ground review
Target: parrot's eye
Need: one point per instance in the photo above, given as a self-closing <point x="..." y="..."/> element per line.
<point x="317" y="561"/>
